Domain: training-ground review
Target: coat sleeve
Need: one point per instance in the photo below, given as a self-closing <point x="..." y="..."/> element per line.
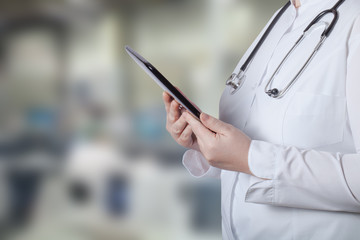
<point x="313" y="179"/>
<point x="198" y="166"/>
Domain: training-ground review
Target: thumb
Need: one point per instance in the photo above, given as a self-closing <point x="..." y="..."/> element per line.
<point x="213" y="124"/>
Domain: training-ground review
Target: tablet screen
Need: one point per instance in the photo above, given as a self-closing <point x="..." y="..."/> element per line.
<point x="163" y="82"/>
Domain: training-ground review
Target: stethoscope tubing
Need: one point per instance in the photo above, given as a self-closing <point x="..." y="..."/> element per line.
<point x="274" y="92"/>
<point x="264" y="36"/>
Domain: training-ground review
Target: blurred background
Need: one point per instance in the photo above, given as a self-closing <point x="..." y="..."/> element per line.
<point x="84" y="153"/>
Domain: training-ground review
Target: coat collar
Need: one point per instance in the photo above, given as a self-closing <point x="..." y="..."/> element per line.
<point x="305" y="2"/>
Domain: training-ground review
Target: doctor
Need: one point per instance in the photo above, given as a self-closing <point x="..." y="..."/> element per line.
<point x="289" y="166"/>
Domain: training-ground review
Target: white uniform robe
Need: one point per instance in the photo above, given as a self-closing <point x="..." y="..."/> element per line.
<point x="306" y="144"/>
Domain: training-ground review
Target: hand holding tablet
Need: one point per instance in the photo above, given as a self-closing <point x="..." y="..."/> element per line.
<point x="163" y="82"/>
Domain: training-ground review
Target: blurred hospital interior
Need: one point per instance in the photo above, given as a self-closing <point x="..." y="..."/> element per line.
<point x="84" y="153"/>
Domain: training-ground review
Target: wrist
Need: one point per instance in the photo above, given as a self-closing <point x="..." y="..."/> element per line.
<point x="246" y="168"/>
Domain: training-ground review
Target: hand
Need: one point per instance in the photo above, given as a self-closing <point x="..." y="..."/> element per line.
<point x="176" y="124"/>
<point x="223" y="145"/>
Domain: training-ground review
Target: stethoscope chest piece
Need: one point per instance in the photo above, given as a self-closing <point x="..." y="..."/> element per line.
<point x="274" y="93"/>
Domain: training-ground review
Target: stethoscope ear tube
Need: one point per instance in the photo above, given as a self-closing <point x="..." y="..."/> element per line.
<point x="329" y="29"/>
<point x="276" y="93"/>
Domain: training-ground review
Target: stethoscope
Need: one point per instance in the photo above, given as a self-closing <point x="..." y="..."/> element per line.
<point x="236" y="80"/>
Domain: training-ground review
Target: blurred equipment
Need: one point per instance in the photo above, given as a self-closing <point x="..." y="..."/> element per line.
<point x="32" y="140"/>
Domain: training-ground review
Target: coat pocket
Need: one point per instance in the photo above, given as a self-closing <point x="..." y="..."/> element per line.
<point x="314" y="120"/>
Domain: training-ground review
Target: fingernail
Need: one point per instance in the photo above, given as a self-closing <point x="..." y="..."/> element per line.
<point x="204" y="116"/>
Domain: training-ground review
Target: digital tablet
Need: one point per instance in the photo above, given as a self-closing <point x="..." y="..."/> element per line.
<point x="163" y="82"/>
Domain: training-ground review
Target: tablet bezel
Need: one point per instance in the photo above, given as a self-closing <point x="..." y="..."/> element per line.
<point x="163" y="82"/>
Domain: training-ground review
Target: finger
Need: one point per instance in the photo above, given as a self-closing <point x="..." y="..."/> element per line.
<point x="174" y="113"/>
<point x="167" y="100"/>
<point x="189" y="99"/>
<point x="179" y="126"/>
<point x="182" y="109"/>
<point x="197" y="127"/>
<point x="214" y="124"/>
<point x="185" y="137"/>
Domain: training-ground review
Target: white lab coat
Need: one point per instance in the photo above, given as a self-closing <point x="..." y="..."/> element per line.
<point x="306" y="144"/>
